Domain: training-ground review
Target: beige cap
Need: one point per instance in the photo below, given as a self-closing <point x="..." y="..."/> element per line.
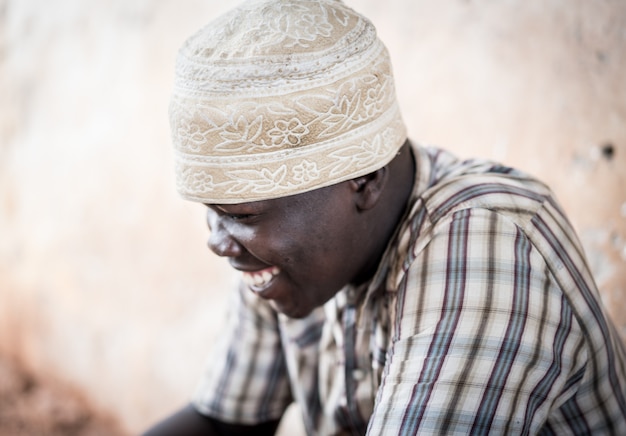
<point x="281" y="97"/>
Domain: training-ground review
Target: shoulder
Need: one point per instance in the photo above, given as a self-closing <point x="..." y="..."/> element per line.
<point x="477" y="183"/>
<point x="449" y="192"/>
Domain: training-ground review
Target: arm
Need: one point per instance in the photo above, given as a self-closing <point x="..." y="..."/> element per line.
<point x="236" y="386"/>
<point x="245" y="380"/>
<point x="189" y="422"/>
<point x="484" y="342"/>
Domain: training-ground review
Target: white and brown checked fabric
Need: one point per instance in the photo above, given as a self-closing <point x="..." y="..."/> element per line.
<point x="488" y="322"/>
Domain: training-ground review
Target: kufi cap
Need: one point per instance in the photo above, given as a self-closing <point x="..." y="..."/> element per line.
<point x="281" y="97"/>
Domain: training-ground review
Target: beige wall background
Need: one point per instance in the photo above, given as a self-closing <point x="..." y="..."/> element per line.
<point x="105" y="279"/>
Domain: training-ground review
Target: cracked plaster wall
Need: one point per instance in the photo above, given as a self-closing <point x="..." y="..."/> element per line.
<point x="105" y="280"/>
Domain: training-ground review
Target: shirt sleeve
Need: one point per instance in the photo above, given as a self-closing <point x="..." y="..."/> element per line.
<point x="245" y="380"/>
<point x="484" y="340"/>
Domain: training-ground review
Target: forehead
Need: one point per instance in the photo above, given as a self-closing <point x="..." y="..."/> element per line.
<point x="317" y="200"/>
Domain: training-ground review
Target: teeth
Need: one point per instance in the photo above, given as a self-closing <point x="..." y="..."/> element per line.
<point x="260" y="278"/>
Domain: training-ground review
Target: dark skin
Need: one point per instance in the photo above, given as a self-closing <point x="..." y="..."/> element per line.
<point x="188" y="422"/>
<point x="309" y="246"/>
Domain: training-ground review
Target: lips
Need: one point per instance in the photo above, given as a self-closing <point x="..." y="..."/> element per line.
<point x="259" y="281"/>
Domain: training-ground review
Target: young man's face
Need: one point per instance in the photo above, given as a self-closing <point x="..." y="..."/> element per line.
<point x="296" y="251"/>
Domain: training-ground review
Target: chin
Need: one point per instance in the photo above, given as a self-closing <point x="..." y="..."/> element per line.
<point x="292" y="312"/>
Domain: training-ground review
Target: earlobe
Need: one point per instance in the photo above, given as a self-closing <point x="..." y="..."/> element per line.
<point x="368" y="188"/>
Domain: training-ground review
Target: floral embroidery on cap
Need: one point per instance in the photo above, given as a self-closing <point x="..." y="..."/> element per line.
<point x="279" y="97"/>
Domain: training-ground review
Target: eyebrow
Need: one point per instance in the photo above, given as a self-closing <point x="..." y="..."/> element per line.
<point x="248" y="208"/>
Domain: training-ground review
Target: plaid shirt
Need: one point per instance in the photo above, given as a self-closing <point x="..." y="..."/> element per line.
<point x="483" y="317"/>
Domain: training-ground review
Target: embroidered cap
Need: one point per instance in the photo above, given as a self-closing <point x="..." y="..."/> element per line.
<point x="281" y="97"/>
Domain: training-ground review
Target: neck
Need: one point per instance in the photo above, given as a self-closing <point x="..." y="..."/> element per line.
<point x="388" y="213"/>
<point x="399" y="188"/>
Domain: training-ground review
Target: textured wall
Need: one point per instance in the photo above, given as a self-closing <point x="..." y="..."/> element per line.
<point x="105" y="280"/>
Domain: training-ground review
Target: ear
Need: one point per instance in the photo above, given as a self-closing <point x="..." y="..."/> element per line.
<point x="368" y="189"/>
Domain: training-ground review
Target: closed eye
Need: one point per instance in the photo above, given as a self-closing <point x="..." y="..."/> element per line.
<point x="235" y="213"/>
<point x="239" y="216"/>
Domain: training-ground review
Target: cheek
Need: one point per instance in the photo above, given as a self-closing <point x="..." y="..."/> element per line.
<point x="327" y="256"/>
<point x="310" y="247"/>
<point x="279" y="249"/>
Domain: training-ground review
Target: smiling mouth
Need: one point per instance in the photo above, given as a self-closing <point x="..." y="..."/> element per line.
<point x="259" y="280"/>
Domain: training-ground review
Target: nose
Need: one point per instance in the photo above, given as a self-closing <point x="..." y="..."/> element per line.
<point x="221" y="241"/>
